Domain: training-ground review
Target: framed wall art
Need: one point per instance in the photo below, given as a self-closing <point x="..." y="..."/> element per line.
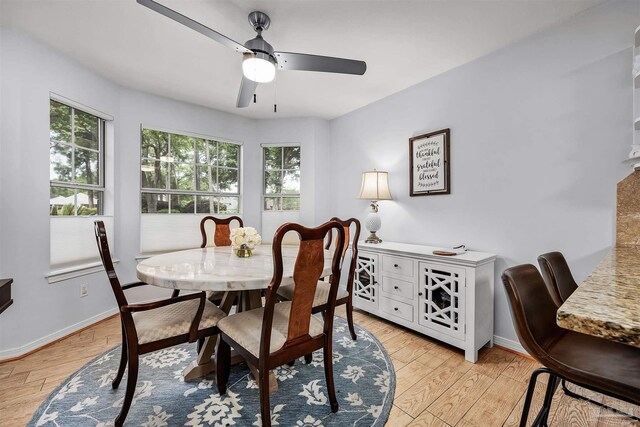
<point x="430" y="164"/>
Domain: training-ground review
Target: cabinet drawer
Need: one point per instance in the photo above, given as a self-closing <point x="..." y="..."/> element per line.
<point x="398" y="287"/>
<point x="397" y="308"/>
<point x="397" y="266"/>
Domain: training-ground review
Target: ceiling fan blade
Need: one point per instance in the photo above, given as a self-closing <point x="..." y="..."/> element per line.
<point x="327" y="64"/>
<point x="202" y="29"/>
<point x="247" y="89"/>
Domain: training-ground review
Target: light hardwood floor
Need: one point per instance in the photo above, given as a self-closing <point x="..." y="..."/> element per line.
<point x="435" y="386"/>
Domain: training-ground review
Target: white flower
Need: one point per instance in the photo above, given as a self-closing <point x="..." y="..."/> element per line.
<point x="313" y="393"/>
<point x="354" y="399"/>
<point x="375" y="410"/>
<point x="159" y="419"/>
<point x="353" y="373"/>
<point x="45" y="418"/>
<point x="309" y="421"/>
<point x="166" y="357"/>
<point x="245" y="236"/>
<point x="382" y="380"/>
<point x="85" y="403"/>
<point x="250" y="231"/>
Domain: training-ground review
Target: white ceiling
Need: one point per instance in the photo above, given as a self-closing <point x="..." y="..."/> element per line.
<point x="403" y="43"/>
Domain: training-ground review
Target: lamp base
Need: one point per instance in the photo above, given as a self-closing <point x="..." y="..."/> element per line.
<point x="373" y="238"/>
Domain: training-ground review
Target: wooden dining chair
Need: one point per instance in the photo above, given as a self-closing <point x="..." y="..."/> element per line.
<point x="222" y="230"/>
<point x="155" y="325"/>
<point x="274" y="335"/>
<point x="320" y="300"/>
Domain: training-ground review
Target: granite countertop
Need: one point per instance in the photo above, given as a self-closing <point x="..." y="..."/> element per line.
<point x="607" y="303"/>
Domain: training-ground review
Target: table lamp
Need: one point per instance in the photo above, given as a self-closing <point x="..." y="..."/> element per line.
<point x="375" y="186"/>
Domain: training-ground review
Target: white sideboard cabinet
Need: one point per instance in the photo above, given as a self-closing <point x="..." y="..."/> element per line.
<point x="449" y="298"/>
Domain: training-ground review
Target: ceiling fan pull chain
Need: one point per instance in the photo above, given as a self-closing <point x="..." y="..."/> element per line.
<point x="275" y="96"/>
<point x="254" y="98"/>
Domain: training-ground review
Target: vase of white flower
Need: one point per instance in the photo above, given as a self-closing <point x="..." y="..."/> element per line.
<point x="244" y="241"/>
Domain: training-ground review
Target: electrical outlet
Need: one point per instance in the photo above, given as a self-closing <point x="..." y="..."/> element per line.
<point x="84" y="290"/>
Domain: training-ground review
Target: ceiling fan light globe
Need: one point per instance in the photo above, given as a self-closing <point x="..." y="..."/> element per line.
<point x="258" y="69"/>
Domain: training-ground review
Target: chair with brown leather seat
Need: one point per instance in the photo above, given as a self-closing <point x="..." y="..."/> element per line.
<point x="557" y="276"/>
<point x="590" y="362"/>
<point x="320" y="304"/>
<point x="279" y="332"/>
<point x="155" y="325"/>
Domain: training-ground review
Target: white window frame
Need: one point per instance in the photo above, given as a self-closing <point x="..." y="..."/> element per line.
<point x="75" y="186"/>
<point x="194" y="193"/>
<point x="280" y="195"/>
<point x="74" y="234"/>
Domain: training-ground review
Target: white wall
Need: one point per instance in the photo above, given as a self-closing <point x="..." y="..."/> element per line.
<point x="538" y="134"/>
<point x="29" y="70"/>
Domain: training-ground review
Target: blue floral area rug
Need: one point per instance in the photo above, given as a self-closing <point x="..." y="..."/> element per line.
<point x="363" y="374"/>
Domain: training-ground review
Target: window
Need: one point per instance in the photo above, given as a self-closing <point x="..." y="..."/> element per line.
<point x="76" y="171"/>
<point x="281" y="178"/>
<point x="187" y="174"/>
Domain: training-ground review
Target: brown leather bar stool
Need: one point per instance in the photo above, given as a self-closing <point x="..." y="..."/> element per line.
<point x="596" y="364"/>
<point x="557" y="276"/>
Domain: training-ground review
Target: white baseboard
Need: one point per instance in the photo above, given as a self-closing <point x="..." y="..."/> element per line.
<point x="20" y="351"/>
<point x="510" y="344"/>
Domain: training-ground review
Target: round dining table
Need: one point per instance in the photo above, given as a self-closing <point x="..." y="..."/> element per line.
<point x="218" y="269"/>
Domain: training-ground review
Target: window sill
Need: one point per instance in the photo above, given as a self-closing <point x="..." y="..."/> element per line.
<point x="66" y="273"/>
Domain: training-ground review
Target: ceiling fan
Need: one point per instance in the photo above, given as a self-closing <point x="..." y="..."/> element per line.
<point x="259" y="59"/>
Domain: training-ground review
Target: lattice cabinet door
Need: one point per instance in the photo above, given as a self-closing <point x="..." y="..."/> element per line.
<point x="365" y="283"/>
<point x="441" y="293"/>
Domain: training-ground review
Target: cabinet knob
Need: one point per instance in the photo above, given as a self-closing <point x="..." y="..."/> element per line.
<point x="395" y="287"/>
<point x="395" y="308"/>
<point x="419" y="294"/>
<point x="395" y="265"/>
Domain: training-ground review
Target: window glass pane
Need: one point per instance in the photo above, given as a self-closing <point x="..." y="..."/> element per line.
<point x="155" y="203"/>
<point x="61" y="201"/>
<point x="273" y="182"/>
<point x="228" y="155"/>
<point x="272" y="203"/>
<point x="181" y="176"/>
<point x="60" y="165"/>
<point x="272" y="158"/>
<point x="182" y="149"/>
<point x="182" y="203"/>
<point x="291" y="158"/>
<point x="86" y="162"/>
<point x="155" y="144"/>
<point x="60" y="122"/>
<point x="291" y="182"/>
<point x="154" y="174"/>
<point x="290" y="203"/>
<point x="86" y="130"/>
<point x="204" y="151"/>
<point x="89" y="202"/>
<point x="228" y="205"/>
<point x="205" y="178"/>
<point x="227" y="180"/>
<point x="205" y="204"/>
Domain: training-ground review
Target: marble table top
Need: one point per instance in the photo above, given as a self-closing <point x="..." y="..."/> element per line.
<point x="607" y="303"/>
<point x="219" y="269"/>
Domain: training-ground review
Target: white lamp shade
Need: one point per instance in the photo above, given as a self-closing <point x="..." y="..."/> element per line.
<point x="258" y="68"/>
<point x="375" y="186"/>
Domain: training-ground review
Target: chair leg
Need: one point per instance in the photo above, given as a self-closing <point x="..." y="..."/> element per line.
<point x="328" y="372"/>
<point x="199" y="345"/>
<point x="265" y="411"/>
<point x="123" y="361"/>
<point x="293" y="362"/>
<point x="527" y="401"/>
<point x="350" y="320"/>
<point x="132" y="380"/>
<point x="581" y="397"/>
<point x="223" y="365"/>
<point x="308" y="358"/>
<point x="543" y="416"/>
